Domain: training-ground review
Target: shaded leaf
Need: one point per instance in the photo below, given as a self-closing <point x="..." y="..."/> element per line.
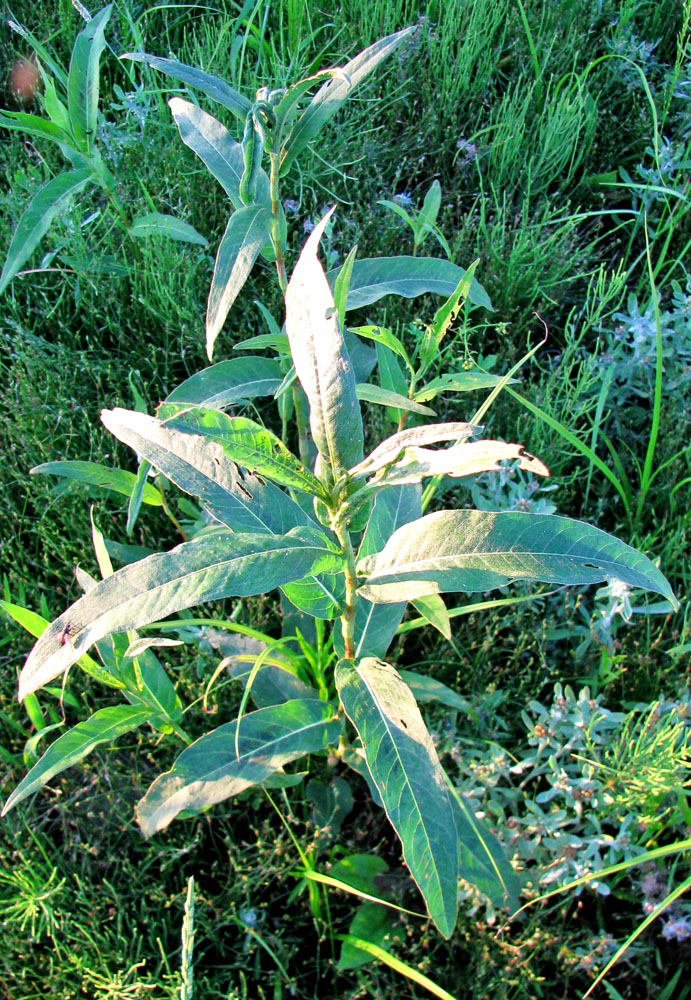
<point x="375" y="277"/>
<point x="213" y="86"/>
<point x="247" y="231"/>
<point x="50" y="199"/>
<point x="433" y="609"/>
<point x="82" y="80"/>
<point x="210" y="770"/>
<point x="474" y="550"/>
<point x="372" y="923"/>
<point x="404" y="766"/>
<point x="426" y="688"/>
<point x="157" y="224"/>
<point x="385" y="397"/>
<point x="32" y="125"/>
<point x="229" y="382"/>
<point x="458" y="382"/>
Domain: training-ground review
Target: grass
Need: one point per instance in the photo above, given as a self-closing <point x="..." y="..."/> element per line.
<point x="526" y="117"/>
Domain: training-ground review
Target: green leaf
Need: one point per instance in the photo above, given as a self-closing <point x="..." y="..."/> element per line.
<point x="219" y="152"/>
<point x="250" y="445"/>
<point x="214" y="566"/>
<point x="430" y="207"/>
<point x="433" y="609"/>
<point x="372" y="923"/>
<point x="318" y="596"/>
<point x="376" y="624"/>
<point x="331" y="96"/>
<point x="321" y="360"/>
<point x="380" y="335"/>
<point x="341" y="286"/>
<point x="93" y="474"/>
<point x="469" y="381"/>
<point x="482" y="860"/>
<point x="444" y="317"/>
<point x="247" y="231"/>
<point x="404" y="767"/>
<point x="426" y="688"/>
<point x="50" y="199"/>
<point x="229" y="382"/>
<point x="32" y="125"/>
<point x="210" y="770"/>
<point x="402" y="968"/>
<point x="473" y="550"/>
<point x="82" y="82"/>
<point x="375" y="277"/>
<point x="213" y="86"/>
<point x="74" y="745"/>
<point x="390" y="449"/>
<point x="157" y="224"/>
<point x="201" y="468"/>
<point x="375" y="394"/>
<point x="137" y="497"/>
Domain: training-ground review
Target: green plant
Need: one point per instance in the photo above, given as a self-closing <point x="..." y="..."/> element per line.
<point x="260" y="537"/>
<point x="70" y="100"/>
<point x="423" y="222"/>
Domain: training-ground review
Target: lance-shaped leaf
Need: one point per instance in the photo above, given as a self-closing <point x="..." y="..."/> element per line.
<point x="224" y="762"/>
<point x="391" y="448"/>
<point x="158" y="224"/>
<point x="218" y="151"/>
<point x="385" y="397"/>
<point x="247" y="231"/>
<point x="469" y="381"/>
<point x="210" y="568"/>
<point x="76" y="744"/>
<point x="376" y="624"/>
<point x="82" y="81"/>
<point x="229" y="382"/>
<point x="474" y="550"/>
<point x="375" y="277"/>
<point x="200" y="467"/>
<point x="321" y="360"/>
<point x="49" y="200"/>
<point x="93" y="474"/>
<point x="32" y="125"/>
<point x="465" y="459"/>
<point x="213" y="86"/>
<point x="331" y="96"/>
<point x="249" y="444"/>
<point x="405" y="768"/>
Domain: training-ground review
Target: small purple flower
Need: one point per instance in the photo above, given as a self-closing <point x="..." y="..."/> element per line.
<point x="307" y="226"/>
<point x="677" y="929"/>
<point x="404" y="199"/>
<point x="291" y="206"/>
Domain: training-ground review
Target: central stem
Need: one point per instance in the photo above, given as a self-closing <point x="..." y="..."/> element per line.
<point x="348" y="616"/>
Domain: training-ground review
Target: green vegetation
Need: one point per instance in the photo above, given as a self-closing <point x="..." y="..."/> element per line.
<point x="506" y="263"/>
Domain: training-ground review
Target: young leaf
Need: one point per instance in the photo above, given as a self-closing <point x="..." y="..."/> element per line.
<point x="384" y="397"/>
<point x="201" y="468"/>
<point x="220" y="153"/>
<point x="215" y="88"/>
<point x="341" y="286"/>
<point x="321" y="360"/>
<point x="247" y="231"/>
<point x="331" y="96"/>
<point x="82" y="82"/>
<point x="74" y="745"/>
<point x="318" y="596"/>
<point x="217" y="565"/>
<point x="157" y="224"/>
<point x="211" y="770"/>
<point x="405" y="768"/>
<point x="229" y="382"/>
<point x="32" y="125"/>
<point x="250" y="445"/>
<point x="433" y="609"/>
<point x="430" y="209"/>
<point x="473" y="550"/>
<point x="426" y="688"/>
<point x="375" y="277"/>
<point x="458" y="382"/>
<point x="93" y="474"/>
<point x="464" y="459"/>
<point x="444" y="317"/>
<point x="49" y="201"/>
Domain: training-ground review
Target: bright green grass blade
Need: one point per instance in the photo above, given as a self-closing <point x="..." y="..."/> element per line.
<point x="49" y="201"/>
<point x="396" y="964"/>
<point x="211" y="770"/>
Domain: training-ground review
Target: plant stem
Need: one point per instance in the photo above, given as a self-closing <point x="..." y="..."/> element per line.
<point x="348" y="616"/>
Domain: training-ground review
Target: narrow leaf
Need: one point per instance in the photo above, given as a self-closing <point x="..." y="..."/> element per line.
<point x="74" y="745"/>
<point x="430" y="206"/>
<point x="210" y="770"/>
<point x="474" y="550"/>
<point x="93" y="474"/>
<point x="247" y="231"/>
<point x="404" y="766"/>
<point x="469" y="381"/>
<point x="219" y="152"/>
<point x="200" y="467"/>
<point x="375" y="277"/>
<point x="32" y="125"/>
<point x="50" y="199"/>
<point x="217" y="565"/>
<point x="157" y="224"/>
<point x="381" y="955"/>
<point x="331" y="96"/>
<point x="213" y="86"/>
<point x="433" y="610"/>
<point x="426" y="688"/>
<point x="321" y="360"/>
<point x="385" y="397"/>
<point x="82" y="82"/>
<point x="391" y="448"/>
<point x="229" y="382"/>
